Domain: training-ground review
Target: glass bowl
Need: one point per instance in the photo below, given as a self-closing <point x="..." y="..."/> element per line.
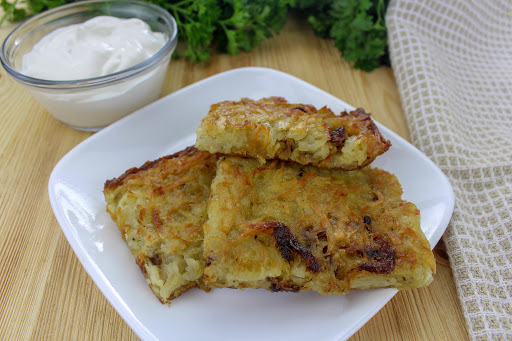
<point x="93" y="103"/>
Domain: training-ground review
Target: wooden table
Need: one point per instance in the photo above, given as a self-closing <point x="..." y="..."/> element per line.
<point x="45" y="292"/>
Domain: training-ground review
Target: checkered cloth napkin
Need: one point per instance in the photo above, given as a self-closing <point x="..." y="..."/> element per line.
<point x="452" y="62"/>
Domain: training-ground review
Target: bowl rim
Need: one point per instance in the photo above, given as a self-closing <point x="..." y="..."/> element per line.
<point x="92" y="82"/>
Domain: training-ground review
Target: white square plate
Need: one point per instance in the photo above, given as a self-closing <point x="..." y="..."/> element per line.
<point x="169" y="125"/>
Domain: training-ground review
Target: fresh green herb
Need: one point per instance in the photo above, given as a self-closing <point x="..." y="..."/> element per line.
<point x="246" y="23"/>
<point x="357" y="26"/>
<point x="230" y="25"/>
<point x="197" y="22"/>
<point x="360" y="32"/>
<point x="20" y="10"/>
<point x="11" y="12"/>
<point x="318" y="14"/>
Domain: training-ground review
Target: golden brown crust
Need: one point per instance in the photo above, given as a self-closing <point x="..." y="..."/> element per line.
<point x="273" y="128"/>
<point x="115" y="182"/>
<point x="160" y="208"/>
<point x="284" y="226"/>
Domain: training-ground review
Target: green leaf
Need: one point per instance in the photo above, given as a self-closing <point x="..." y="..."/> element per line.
<point x="245" y="24"/>
<point x="359" y="32"/>
<point x="11" y="12"/>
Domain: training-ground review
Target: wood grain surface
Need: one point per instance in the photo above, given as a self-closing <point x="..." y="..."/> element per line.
<point x="46" y="293"/>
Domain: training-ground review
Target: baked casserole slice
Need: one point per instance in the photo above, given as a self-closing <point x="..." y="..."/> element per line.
<point x="283" y="226"/>
<point x="160" y="209"/>
<point x="273" y="128"/>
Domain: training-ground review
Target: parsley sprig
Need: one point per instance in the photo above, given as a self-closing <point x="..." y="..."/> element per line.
<point x="357" y="27"/>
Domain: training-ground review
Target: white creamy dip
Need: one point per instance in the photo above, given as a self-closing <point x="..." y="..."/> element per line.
<point x="100" y="46"/>
<point x="97" y="47"/>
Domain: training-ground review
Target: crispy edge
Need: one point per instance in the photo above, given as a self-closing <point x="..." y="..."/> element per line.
<point x="116" y="182"/>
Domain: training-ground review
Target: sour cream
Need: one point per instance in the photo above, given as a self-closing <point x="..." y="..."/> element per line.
<point x="97" y="47"/>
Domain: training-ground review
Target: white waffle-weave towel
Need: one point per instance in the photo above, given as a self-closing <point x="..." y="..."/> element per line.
<point x="452" y="62"/>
